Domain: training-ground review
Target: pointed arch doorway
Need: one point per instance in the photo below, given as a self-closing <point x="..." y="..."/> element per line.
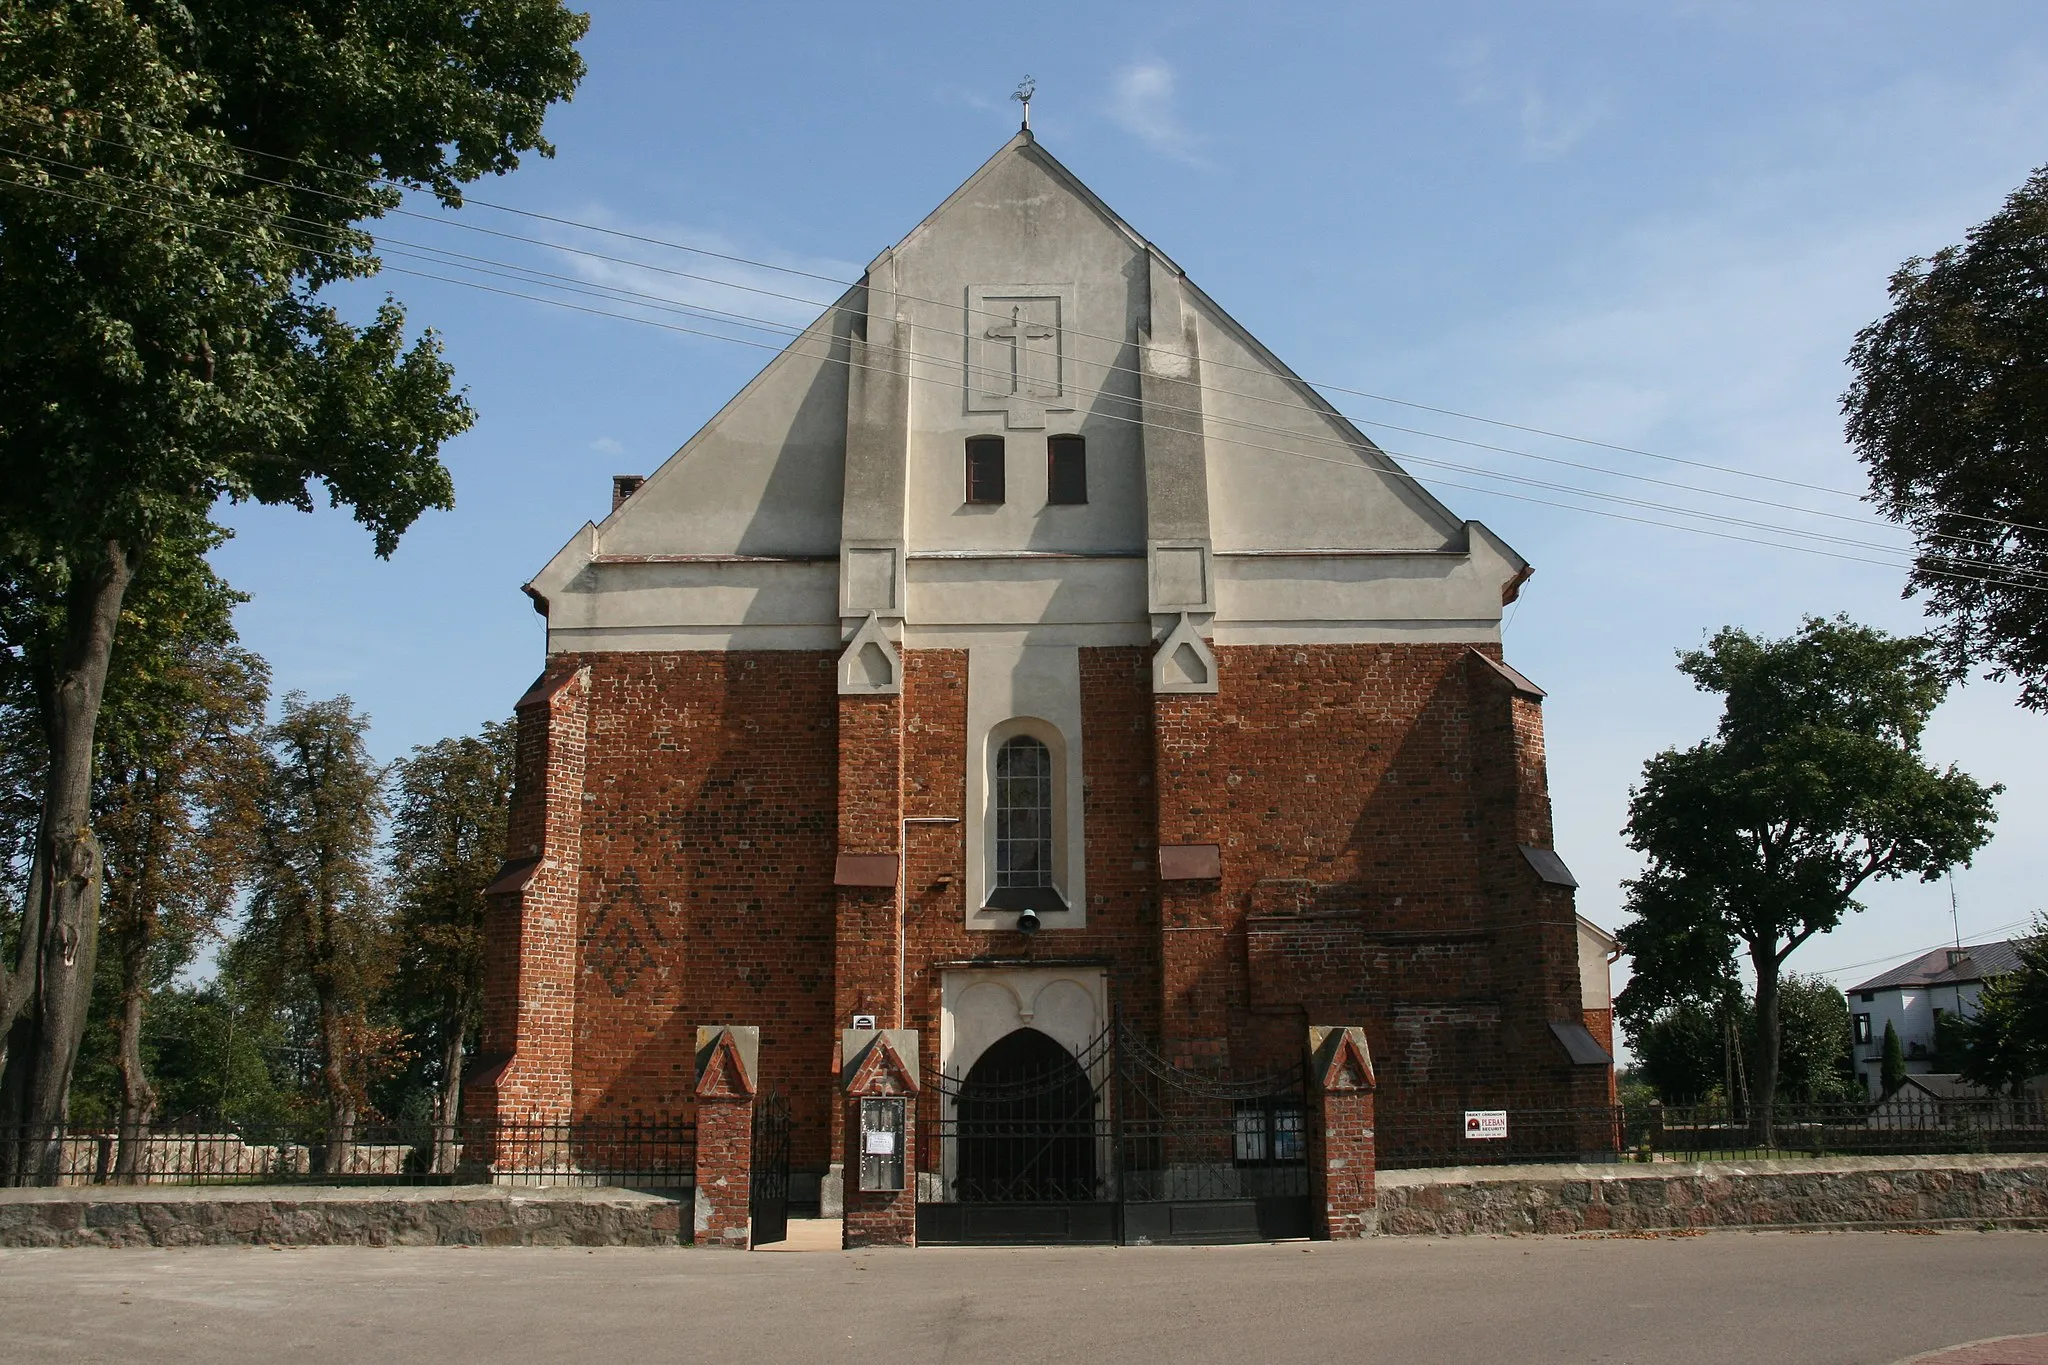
<point x="1024" y="1145"/>
<point x="1025" y="1117"/>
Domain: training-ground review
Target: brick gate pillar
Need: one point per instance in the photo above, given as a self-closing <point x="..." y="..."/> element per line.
<point x="881" y="1081"/>
<point x="728" y="1060"/>
<point x="1342" y="1162"/>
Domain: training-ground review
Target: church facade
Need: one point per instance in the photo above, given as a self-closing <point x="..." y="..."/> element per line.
<point x="1026" y="647"/>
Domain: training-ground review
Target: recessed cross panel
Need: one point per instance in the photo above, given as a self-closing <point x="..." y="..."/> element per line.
<point x="1017" y="361"/>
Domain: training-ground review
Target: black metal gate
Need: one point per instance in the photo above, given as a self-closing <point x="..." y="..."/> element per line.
<point x="1207" y="1156"/>
<point x="768" y="1191"/>
<point x="1036" y="1144"/>
<point x="1021" y="1148"/>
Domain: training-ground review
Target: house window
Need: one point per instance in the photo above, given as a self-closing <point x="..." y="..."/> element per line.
<point x="1869" y="996"/>
<point x="1067" y="469"/>
<point x="1023" y="813"/>
<point x="1862" y="1028"/>
<point x="984" y="469"/>
<point x="1268" y="1133"/>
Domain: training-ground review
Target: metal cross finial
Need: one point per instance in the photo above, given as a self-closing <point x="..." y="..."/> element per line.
<point x="1026" y="88"/>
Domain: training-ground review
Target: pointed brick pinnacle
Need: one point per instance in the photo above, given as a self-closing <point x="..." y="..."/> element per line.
<point x="1349" y="1068"/>
<point x="882" y="1071"/>
<point x="725" y="1071"/>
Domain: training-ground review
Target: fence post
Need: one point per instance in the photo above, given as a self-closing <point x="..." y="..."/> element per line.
<point x="879" y="1074"/>
<point x="728" y="1058"/>
<point x="1342" y="1161"/>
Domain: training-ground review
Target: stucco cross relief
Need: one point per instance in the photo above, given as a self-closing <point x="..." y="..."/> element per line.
<point x="1017" y="362"/>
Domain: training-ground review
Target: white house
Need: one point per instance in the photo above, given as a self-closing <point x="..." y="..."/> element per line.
<point x="1912" y="996"/>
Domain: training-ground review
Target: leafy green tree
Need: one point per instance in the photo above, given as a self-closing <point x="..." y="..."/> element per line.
<point x="1683" y="1050"/>
<point x="1892" y="1070"/>
<point x="1815" y="1064"/>
<point x="315" y="926"/>
<point x="1949" y="413"/>
<point x="1813" y="785"/>
<point x="1678" y="1052"/>
<point x="170" y="796"/>
<point x="179" y="181"/>
<point x="2004" y="1043"/>
<point x="180" y="766"/>
<point x="449" y="809"/>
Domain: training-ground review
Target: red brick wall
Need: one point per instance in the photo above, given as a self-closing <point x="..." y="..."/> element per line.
<point x="709" y="818"/>
<point x="531" y="935"/>
<point x="1122" y="925"/>
<point x="1600" y="1023"/>
<point x="1368" y="800"/>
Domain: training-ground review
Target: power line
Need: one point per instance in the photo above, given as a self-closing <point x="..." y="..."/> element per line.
<point x="548" y="279"/>
<point x="1354" y="464"/>
<point x="1392" y="472"/>
<point x="380" y="209"/>
<point x="1918" y="952"/>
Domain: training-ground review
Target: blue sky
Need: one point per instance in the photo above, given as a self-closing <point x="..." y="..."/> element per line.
<point x="1656" y="226"/>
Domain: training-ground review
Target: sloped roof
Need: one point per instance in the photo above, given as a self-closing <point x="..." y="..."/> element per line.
<point x="1943" y="1085"/>
<point x="1979" y="961"/>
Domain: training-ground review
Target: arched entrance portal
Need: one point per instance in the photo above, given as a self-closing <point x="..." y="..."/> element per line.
<point x="1026" y="1125"/>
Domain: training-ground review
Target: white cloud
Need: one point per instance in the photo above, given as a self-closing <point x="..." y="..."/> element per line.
<point x="1550" y="124"/>
<point x="1716" y="329"/>
<point x="1144" y="105"/>
<point x="605" y="445"/>
<point x="750" y="290"/>
<point x="673" y="274"/>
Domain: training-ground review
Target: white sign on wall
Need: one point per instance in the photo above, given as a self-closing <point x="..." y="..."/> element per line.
<point x="1486" y="1123"/>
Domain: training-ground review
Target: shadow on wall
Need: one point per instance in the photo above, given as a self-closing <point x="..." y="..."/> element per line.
<point x="798" y="509"/>
<point x="713" y="899"/>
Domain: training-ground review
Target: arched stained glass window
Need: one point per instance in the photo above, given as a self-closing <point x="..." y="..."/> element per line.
<point x="1023" y="813"/>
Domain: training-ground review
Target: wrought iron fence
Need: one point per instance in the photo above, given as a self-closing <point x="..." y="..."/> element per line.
<point x="1900" y="1126"/>
<point x="647" y="1153"/>
<point x="1192" y="1136"/>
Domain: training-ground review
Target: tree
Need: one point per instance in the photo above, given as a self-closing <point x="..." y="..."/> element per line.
<point x="1678" y="1052"/>
<point x="1685" y="1051"/>
<point x="1815" y="1063"/>
<point x="1948" y="411"/>
<point x="314" y="924"/>
<point x="180" y="771"/>
<point x="2005" y="1042"/>
<point x="171" y="791"/>
<point x="1892" y="1070"/>
<point x="178" y="183"/>
<point x="1760" y="838"/>
<point x="451" y="802"/>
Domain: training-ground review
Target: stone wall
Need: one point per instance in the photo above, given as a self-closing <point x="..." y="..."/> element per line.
<point x="282" y="1216"/>
<point x="1837" y="1193"/>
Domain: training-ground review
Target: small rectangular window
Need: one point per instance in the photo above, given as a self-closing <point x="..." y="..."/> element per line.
<point x="1862" y="1028"/>
<point x="1269" y="1133"/>
<point x="1869" y="996"/>
<point x="984" y="469"/>
<point x="1067" y="472"/>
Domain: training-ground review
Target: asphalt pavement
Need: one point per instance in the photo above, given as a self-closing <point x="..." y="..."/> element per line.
<point x="1782" y="1298"/>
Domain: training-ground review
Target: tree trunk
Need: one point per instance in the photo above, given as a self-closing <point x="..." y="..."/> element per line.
<point x="64" y="901"/>
<point x="1765" y="960"/>
<point x="448" y="1107"/>
<point x="138" y="1097"/>
<point x="341" y="1096"/>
